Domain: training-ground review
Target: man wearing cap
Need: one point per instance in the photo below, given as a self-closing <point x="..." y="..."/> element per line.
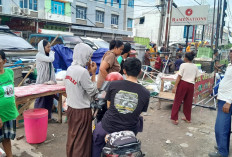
<point x="223" y="121"/>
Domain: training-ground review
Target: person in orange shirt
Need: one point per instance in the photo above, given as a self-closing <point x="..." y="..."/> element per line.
<point x="153" y="50"/>
<point x="188" y="49"/>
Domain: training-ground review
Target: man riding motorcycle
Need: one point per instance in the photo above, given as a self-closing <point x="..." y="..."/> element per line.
<point x="126" y="100"/>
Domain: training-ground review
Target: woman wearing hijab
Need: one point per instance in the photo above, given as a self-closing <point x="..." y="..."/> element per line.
<point x="109" y="61"/>
<point x="80" y="89"/>
<point x="45" y="75"/>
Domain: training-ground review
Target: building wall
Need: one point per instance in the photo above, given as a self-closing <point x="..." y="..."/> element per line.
<point x="150" y="28"/>
<point x="55" y="17"/>
<point x="89" y="25"/>
<point x="93" y="5"/>
<point x="108" y="9"/>
<point x="7" y="6"/>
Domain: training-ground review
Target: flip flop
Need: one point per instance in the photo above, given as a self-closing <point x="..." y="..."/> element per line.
<point x="184" y="119"/>
<point x="175" y="122"/>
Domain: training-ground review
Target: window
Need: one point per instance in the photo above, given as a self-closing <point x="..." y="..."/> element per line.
<point x="142" y="19"/>
<point x="116" y="1"/>
<point x="81" y="12"/>
<point x="100" y="16"/>
<point x="30" y="4"/>
<point x="131" y="3"/>
<point x="33" y="4"/>
<point x="129" y="23"/>
<point x="0" y="2"/>
<point x="114" y="19"/>
<point x="57" y="8"/>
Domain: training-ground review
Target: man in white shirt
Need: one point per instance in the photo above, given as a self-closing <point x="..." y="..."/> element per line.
<point x="223" y="121"/>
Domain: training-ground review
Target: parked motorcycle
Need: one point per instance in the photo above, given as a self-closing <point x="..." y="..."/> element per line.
<point x="118" y="144"/>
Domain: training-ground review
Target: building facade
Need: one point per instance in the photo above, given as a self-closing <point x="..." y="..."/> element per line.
<point x="105" y="19"/>
<point x="148" y="24"/>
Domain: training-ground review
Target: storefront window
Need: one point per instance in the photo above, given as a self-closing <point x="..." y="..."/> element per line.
<point x="30" y="4"/>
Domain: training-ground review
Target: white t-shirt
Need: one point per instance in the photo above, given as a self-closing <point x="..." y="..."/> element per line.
<point x="189" y="72"/>
<point x="225" y="87"/>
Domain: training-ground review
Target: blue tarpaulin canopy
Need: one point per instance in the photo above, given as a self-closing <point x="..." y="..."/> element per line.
<point x="64" y="57"/>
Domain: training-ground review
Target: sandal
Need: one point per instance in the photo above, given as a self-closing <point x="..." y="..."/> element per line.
<point x="175" y="122"/>
<point x="184" y="119"/>
<point x="52" y="121"/>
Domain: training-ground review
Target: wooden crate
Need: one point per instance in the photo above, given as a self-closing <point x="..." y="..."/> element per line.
<point x="167" y="95"/>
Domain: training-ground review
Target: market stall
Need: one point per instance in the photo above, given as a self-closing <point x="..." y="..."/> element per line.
<point x="203" y="90"/>
<point x="25" y="95"/>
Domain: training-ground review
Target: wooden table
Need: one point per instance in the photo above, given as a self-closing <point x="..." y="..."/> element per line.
<point x="25" y="95"/>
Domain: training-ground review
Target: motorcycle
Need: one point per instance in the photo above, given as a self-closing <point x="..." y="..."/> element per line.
<point x="118" y="144"/>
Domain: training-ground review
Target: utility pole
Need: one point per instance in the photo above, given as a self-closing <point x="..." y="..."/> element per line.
<point x="229" y="32"/>
<point x="223" y="18"/>
<point x="212" y="35"/>
<point x="187" y="36"/>
<point x="218" y="23"/>
<point x="161" y="24"/>
<point x="167" y="22"/>
<point x="203" y="33"/>
<point x="173" y="4"/>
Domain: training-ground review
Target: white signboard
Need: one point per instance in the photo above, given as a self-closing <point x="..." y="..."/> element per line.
<point x="190" y="15"/>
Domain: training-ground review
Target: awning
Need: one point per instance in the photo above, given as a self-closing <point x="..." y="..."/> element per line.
<point x="103" y="30"/>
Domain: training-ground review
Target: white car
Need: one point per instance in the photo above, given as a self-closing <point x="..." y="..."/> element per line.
<point x="95" y="43"/>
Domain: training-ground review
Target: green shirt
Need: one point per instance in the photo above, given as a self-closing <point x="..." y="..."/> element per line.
<point x="8" y="110"/>
<point x="120" y="59"/>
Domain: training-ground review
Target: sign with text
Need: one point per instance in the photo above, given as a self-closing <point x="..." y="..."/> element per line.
<point x="190" y="15"/>
<point x="203" y="87"/>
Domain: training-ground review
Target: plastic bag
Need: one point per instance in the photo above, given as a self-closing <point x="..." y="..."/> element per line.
<point x="167" y="86"/>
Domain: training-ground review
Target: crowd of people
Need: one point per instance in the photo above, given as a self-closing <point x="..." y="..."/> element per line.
<point x="82" y="88"/>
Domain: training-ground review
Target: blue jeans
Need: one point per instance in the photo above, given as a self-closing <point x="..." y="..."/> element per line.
<point x="223" y="129"/>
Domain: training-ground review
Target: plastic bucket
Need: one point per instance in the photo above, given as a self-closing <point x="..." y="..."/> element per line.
<point x="36" y="124"/>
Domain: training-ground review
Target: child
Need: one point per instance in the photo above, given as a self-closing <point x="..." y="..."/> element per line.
<point x="158" y="62"/>
<point x="217" y="66"/>
<point x="166" y="64"/>
<point x="8" y="110"/>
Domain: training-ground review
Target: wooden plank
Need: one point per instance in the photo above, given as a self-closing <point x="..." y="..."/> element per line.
<point x="21" y="110"/>
<point x="60" y="108"/>
<point x="22" y="100"/>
